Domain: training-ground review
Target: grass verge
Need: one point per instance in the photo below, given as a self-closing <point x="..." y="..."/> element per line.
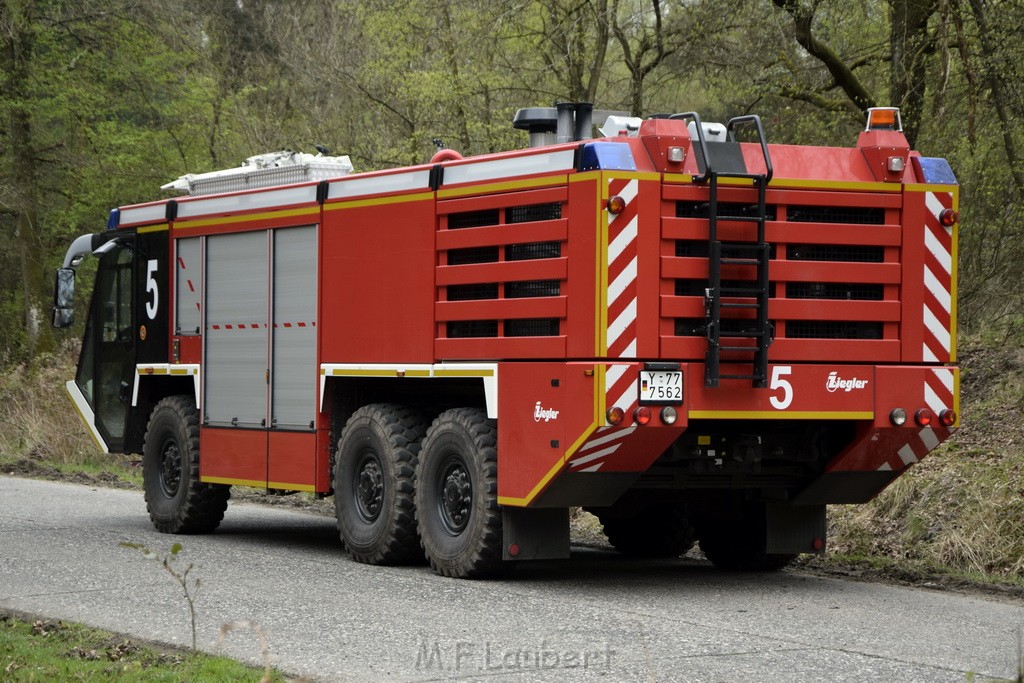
<point x="46" y="650"/>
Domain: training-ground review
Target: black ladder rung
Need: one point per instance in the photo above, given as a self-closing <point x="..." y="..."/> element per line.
<point x="745" y="334"/>
<point x="730" y="304"/>
<point x="738" y="261"/>
<point x="744" y="219"/>
<point x="734" y="349"/>
<point x="737" y="174"/>
<point x="759" y="378"/>
<point x="738" y="292"/>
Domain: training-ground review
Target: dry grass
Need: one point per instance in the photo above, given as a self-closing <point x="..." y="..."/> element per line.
<point x="962" y="508"/>
<point x="37" y="419"/>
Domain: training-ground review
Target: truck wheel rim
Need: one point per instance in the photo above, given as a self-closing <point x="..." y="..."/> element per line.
<point x="368" y="487"/>
<point x="170" y="469"/>
<point x="454" y="496"/>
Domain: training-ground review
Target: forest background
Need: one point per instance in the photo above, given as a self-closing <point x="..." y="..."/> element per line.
<point x="103" y="101"/>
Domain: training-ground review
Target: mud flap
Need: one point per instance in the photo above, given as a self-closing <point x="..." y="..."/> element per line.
<point x="794" y="528"/>
<point x="536" y="533"/>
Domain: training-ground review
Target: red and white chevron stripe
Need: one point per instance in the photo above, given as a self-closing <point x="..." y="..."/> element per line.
<point x="620" y="337"/>
<point x="620" y="391"/>
<point x="938" y="390"/>
<point x="622" y="268"/>
<point x="605" y="441"/>
<point x="920" y="444"/>
<point x="938" y="280"/>
<point x="938" y="396"/>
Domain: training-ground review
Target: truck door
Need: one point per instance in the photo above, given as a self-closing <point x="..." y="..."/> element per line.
<point x="107" y="365"/>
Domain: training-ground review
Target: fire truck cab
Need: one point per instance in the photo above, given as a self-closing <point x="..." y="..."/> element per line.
<point x="695" y="337"/>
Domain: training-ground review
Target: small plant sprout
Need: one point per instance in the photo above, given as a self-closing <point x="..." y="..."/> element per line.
<point x="180" y="576"/>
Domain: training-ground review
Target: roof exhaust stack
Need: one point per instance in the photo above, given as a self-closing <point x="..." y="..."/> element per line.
<point x="584" y="120"/>
<point x="565" y="122"/>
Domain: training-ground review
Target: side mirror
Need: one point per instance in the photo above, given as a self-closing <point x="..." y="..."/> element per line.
<point x="64" y="298"/>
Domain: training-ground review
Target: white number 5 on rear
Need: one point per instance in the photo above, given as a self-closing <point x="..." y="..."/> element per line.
<point x="778" y="372"/>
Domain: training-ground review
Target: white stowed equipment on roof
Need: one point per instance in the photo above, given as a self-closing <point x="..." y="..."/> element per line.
<point x="263" y="170"/>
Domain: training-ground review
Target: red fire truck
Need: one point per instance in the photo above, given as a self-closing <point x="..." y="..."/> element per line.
<point x="692" y="333"/>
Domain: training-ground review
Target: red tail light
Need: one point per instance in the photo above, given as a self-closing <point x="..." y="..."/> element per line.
<point x="948" y="217"/>
<point x="642" y="415"/>
<point x="924" y="417"/>
<point x="947" y="417"/>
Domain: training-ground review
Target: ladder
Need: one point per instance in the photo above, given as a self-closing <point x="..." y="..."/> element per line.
<point x="749" y="336"/>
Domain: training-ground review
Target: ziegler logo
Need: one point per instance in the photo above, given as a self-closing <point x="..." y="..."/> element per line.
<point x="546" y="414"/>
<point x="834" y="383"/>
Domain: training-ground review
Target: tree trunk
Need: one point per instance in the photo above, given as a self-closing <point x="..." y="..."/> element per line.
<point x="909" y="42"/>
<point x="998" y="97"/>
<point x="17" y="46"/>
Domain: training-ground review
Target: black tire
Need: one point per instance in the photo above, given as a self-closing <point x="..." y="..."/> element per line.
<point x="374" y="481"/>
<point x="739" y="544"/>
<point x="655" y="531"/>
<point x="457" y="495"/>
<point x="178" y="503"/>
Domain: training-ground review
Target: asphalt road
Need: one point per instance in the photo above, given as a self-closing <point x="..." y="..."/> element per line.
<point x="595" y="617"/>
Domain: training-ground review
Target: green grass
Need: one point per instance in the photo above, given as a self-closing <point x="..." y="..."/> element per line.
<point x="44" y="650"/>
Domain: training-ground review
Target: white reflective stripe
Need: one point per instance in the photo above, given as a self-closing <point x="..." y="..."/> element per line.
<point x="939" y="251"/>
<point x="929" y="439"/>
<point x="614" y="436"/>
<point x="624" y="280"/>
<point x="154" y="213"/>
<point x="269" y="199"/>
<point x="616" y="329"/>
<point x="907" y="455"/>
<point x="946" y="377"/>
<point x="885" y="467"/>
<point x="595" y="468"/>
<point x="594" y="456"/>
<point x="932" y="400"/>
<point x="933" y="204"/>
<point x="937" y="289"/>
<point x="355" y="186"/>
<point x="626" y="400"/>
<point x="614" y="374"/>
<point x="935" y="327"/>
<point x="628" y="193"/>
<point x="529" y="164"/>
<point x="927" y="355"/>
<point x="85" y="411"/>
<point x="623" y="240"/>
<point x="629" y="351"/>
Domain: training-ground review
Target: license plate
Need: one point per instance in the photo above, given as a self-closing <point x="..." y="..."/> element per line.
<point x="660" y="387"/>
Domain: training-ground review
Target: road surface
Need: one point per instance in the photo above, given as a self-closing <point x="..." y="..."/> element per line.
<point x="595" y="617"/>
